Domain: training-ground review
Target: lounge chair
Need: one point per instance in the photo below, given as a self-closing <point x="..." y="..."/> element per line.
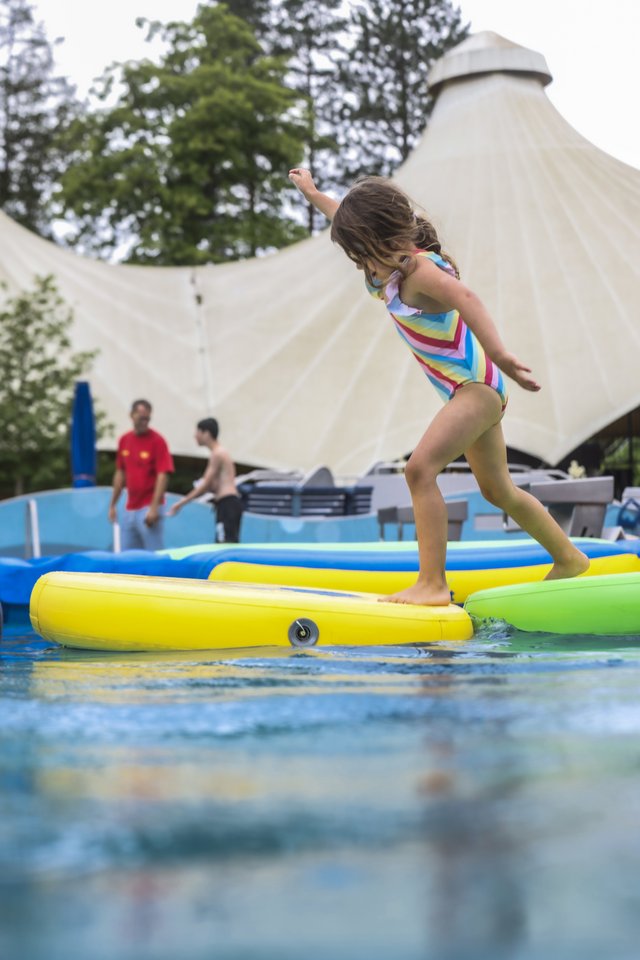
<point x="457" y="512"/>
<point x="579" y="506"/>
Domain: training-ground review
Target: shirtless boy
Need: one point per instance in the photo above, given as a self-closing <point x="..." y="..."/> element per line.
<point x="220" y="480"/>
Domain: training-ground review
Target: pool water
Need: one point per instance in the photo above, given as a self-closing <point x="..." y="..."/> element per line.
<point x="450" y="802"/>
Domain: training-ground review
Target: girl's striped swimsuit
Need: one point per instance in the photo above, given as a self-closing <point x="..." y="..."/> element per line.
<point x="444" y="346"/>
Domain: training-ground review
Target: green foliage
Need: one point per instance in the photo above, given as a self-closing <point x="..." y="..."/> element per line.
<point x="623" y="455"/>
<point x="258" y="13"/>
<point x="387" y="102"/>
<point x="187" y="167"/>
<point x="311" y="34"/>
<point x="362" y="67"/>
<point x="34" y="105"/>
<point x="38" y="371"/>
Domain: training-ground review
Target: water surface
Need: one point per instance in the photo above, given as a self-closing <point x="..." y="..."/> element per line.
<point x="474" y="800"/>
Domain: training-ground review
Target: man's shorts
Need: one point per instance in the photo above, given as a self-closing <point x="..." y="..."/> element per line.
<point x="228" y="515"/>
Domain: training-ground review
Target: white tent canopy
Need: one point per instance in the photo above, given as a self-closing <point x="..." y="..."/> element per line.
<point x="301" y="367"/>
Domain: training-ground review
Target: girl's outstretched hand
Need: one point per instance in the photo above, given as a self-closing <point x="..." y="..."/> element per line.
<point x="515" y="369"/>
<point x="303" y="180"/>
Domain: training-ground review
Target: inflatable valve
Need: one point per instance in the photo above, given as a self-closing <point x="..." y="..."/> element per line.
<point x="303" y="633"/>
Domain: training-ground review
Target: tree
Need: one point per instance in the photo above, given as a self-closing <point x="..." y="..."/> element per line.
<point x="190" y="164"/>
<point x="387" y="102"/>
<point x="259" y="14"/>
<point x="38" y="371"/>
<point x="311" y="34"/>
<point x="34" y="104"/>
<point x="362" y="67"/>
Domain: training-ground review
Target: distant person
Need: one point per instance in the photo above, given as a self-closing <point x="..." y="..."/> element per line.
<point x="143" y="463"/>
<point x="456" y="343"/>
<point x="220" y="480"/>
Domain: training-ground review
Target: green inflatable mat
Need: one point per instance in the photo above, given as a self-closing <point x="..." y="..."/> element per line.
<point x="600" y="605"/>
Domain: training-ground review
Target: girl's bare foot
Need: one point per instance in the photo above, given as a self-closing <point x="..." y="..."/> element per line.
<point x="574" y="565"/>
<point x="422" y="594"/>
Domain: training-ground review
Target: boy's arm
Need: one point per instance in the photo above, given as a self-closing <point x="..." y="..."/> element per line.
<point x="304" y="182"/>
<point x="207" y="483"/>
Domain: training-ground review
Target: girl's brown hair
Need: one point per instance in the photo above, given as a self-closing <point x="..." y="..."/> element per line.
<point x="375" y="220"/>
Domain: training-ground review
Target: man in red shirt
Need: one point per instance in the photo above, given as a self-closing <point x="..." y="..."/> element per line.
<point x="143" y="462"/>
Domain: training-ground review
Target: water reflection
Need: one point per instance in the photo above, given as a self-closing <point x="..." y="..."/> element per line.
<point x="435" y="803"/>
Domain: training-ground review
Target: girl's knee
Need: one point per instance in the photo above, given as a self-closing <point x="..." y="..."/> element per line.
<point x="417" y="472"/>
<point x="499" y="494"/>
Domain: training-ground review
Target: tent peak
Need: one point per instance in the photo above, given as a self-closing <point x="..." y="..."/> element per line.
<point x="487" y="52"/>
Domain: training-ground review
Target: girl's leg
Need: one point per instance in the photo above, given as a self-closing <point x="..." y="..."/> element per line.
<point x="487" y="458"/>
<point x="472" y="411"/>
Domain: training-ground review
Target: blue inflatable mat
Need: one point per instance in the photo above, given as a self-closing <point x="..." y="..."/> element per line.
<point x="17" y="577"/>
<point x="487" y="557"/>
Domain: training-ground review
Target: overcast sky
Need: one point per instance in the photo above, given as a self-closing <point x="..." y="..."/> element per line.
<point x="591" y="50"/>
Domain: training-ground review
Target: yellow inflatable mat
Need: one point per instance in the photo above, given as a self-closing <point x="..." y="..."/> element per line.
<point x="119" y="612"/>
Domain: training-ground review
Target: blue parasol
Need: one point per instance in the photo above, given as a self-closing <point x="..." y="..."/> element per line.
<point x="83" y="438"/>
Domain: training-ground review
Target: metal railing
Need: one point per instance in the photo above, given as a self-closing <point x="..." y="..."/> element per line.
<point x="32" y="542"/>
<point x="32" y="530"/>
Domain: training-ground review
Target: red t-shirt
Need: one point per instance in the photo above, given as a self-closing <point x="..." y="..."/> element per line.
<point x="142" y="457"/>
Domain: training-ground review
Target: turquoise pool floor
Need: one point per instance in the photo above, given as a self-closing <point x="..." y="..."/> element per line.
<point x="455" y="802"/>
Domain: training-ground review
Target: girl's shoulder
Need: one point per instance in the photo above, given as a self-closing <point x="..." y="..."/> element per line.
<point x="436" y="258"/>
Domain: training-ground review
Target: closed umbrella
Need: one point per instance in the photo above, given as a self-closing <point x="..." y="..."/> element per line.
<point x="83" y="438"/>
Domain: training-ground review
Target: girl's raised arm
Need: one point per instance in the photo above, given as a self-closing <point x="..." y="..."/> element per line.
<point x="304" y="182"/>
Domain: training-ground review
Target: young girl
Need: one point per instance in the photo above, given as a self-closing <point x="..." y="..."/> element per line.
<point x="464" y="359"/>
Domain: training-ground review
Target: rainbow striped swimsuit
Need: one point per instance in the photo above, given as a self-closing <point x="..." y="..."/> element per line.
<point x="444" y="346"/>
